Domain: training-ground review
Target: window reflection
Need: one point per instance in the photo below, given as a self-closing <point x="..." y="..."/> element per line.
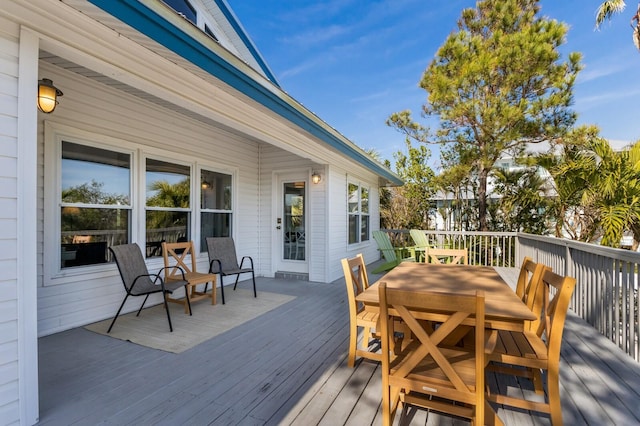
<point x="95" y="203"/>
<point x="168" y="199"/>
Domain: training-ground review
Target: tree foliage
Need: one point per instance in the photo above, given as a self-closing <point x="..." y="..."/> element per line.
<point x="496" y="85"/>
<point x="609" y="8"/>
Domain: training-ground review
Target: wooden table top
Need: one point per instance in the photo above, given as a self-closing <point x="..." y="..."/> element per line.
<point x="503" y="308"/>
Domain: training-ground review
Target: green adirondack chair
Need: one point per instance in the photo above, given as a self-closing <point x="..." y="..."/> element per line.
<point x="421" y="243"/>
<point x="392" y="255"/>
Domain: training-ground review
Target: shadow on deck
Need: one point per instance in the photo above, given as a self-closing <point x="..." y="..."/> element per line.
<point x="288" y="366"/>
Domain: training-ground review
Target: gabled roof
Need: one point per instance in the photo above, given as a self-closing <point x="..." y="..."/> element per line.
<point x="238" y="75"/>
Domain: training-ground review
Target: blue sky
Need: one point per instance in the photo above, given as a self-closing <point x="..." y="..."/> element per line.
<point x="355" y="62"/>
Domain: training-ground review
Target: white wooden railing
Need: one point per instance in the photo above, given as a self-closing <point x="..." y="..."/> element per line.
<point x="606" y="294"/>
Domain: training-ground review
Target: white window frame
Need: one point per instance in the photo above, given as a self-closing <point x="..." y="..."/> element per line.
<point x="359" y="212"/>
<point x="54" y="135"/>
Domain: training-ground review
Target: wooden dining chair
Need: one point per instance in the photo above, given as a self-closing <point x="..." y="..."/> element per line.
<point x="180" y="260"/>
<point x="448" y="256"/>
<point x="530" y="290"/>
<point x="356" y="279"/>
<point x="427" y="372"/>
<point x="526" y="354"/>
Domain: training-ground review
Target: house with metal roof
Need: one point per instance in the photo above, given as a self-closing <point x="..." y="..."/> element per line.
<point x="149" y="121"/>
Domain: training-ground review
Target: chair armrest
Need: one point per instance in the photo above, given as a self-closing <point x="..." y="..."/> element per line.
<point x="157" y="277"/>
<point x="211" y="271"/>
<point x="171" y="267"/>
<point x="246" y="257"/>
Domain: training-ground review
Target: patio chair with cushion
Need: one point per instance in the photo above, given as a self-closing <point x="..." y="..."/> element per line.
<point x="224" y="261"/>
<point x="525" y="354"/>
<point x="138" y="281"/>
<point x="428" y="372"/>
<point x="393" y="256"/>
<point x="356" y="279"/>
<point x="180" y="263"/>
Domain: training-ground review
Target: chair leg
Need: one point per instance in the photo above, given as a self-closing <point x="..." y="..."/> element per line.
<point x="553" y="387"/>
<point x="353" y="341"/>
<point x="188" y="300"/>
<point x="253" y="277"/>
<point x="117" y="313"/>
<point x="141" y="306"/>
<point x="222" y="287"/>
<point x="166" y="307"/>
<point x="236" y="284"/>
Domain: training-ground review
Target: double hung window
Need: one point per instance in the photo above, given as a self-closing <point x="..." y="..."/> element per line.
<point x="358" y="212"/>
<point x="106" y="195"/>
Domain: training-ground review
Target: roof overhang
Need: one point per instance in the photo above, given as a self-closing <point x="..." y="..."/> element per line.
<point x="145" y="19"/>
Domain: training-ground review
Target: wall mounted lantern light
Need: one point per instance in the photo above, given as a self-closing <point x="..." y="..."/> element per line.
<point x="47" y="95"/>
<point x="316" y="177"/>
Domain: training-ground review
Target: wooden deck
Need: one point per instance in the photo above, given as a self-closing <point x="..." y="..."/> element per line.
<point x="289" y="367"/>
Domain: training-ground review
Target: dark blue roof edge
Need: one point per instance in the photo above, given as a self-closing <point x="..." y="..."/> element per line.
<point x="239" y="29"/>
<point x="148" y="22"/>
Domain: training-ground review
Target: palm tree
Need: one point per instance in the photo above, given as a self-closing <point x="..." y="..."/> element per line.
<point x="609" y="8"/>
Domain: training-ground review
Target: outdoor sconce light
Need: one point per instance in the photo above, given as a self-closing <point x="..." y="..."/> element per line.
<point x="315" y="177"/>
<point x="47" y="95"/>
<point x="205" y="184"/>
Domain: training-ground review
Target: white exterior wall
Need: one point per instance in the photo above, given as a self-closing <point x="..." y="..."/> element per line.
<point x="9" y="324"/>
<point x="339" y="248"/>
<point x="274" y="160"/>
<point x="78" y="298"/>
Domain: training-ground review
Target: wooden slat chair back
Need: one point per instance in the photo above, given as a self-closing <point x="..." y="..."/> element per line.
<point x="389" y="252"/>
<point x="537" y="350"/>
<point x="448" y="256"/>
<point x="427" y="372"/>
<point x="356" y="279"/>
<point x="180" y="260"/>
<point x="530" y="289"/>
<point x="138" y="281"/>
<point x="421" y="244"/>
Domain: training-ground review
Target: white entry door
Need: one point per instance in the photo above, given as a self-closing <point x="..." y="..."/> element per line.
<point x="291" y="223"/>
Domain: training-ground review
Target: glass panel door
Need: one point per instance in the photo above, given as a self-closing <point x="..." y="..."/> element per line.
<point x="294" y="247"/>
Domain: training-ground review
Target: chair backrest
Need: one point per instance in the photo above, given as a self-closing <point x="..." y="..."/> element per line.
<point x="178" y="255"/>
<point x="447" y="256"/>
<point x="224" y="250"/>
<point x="556" y="306"/>
<point x="357" y="281"/>
<point x="130" y="263"/>
<point x="385" y="246"/>
<point x="443" y="379"/>
<point x="530" y="288"/>
<point x="419" y="238"/>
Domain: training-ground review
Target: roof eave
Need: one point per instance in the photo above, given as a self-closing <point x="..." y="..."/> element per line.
<point x="145" y="20"/>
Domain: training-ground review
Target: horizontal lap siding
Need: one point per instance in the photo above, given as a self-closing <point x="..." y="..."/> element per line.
<point x="9" y="368"/>
<point x="64" y="306"/>
<point x="339" y="247"/>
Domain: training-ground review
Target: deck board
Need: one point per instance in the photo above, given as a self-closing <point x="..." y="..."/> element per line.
<point x="289" y="366"/>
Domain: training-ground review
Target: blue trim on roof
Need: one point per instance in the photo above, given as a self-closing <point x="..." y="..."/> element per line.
<point x="145" y="20"/>
<point x="237" y="27"/>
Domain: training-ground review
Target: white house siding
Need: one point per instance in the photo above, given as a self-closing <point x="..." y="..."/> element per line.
<point x="276" y="160"/>
<point x="69" y="302"/>
<point x="9" y="326"/>
<point x="339" y="247"/>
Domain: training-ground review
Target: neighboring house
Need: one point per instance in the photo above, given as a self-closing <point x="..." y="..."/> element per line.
<point x="170" y="126"/>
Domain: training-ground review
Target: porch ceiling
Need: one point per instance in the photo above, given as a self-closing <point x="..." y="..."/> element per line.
<point x="141" y="94"/>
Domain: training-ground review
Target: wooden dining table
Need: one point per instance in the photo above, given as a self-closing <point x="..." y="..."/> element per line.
<point x="504" y="310"/>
